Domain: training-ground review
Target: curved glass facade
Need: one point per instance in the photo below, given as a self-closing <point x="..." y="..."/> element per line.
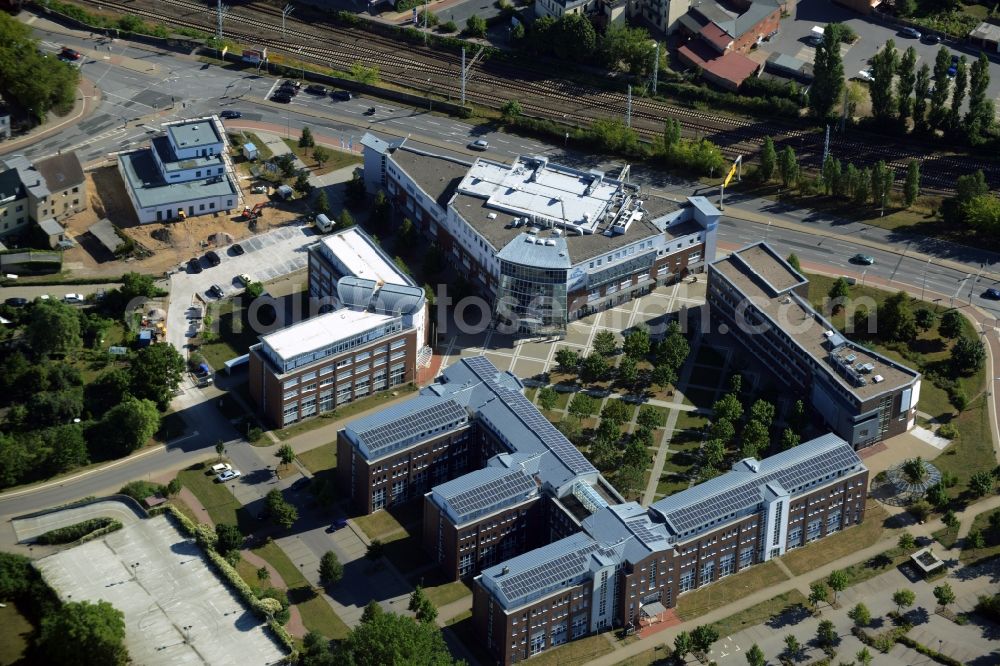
<point x="530" y="297"/>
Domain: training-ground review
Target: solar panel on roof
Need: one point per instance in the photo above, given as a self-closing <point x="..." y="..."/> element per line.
<point x="425" y="420"/>
<point x="547" y="573"/>
<point x="493" y="493"/>
<point x="641" y="529"/>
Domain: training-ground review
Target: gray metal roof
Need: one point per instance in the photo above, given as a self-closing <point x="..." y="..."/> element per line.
<point x="50" y="227"/>
<point x="398" y="299"/>
<point x="168" y="157"/>
<point x="404" y="424"/>
<point x="143" y="177"/>
<point x="537" y="252"/>
<point x="105" y="232"/>
<point x="194" y="133"/>
<point x="484" y="491"/>
<point x="355" y="292"/>
<point x="738" y="492"/>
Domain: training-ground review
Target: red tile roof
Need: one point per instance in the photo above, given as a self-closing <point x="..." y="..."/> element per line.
<point x="716" y="36"/>
<point x="732" y="67"/>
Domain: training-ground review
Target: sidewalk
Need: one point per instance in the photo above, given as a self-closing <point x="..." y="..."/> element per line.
<point x="800" y="582"/>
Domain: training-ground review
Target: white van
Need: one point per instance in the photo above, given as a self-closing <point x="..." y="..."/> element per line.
<point x="816" y="35"/>
<point x="323" y="223"/>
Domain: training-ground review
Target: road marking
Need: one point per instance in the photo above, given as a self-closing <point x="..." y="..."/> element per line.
<point x="960" y="286"/>
<point x="431" y="122"/>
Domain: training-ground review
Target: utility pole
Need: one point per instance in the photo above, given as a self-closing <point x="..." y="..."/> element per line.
<point x="628" y="109"/>
<point x="843" y="116"/>
<point x="826" y="144"/>
<point x="284" y="14"/>
<point x="463" y="77"/>
<point x="425" y="22"/>
<point x="221" y="10"/>
<point x="656" y="67"/>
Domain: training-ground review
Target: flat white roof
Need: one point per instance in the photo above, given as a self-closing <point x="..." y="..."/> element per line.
<point x="362" y="259"/>
<point x="529" y="187"/>
<point x="322" y="331"/>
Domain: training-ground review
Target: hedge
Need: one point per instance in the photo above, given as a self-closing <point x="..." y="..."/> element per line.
<point x="87" y="528"/>
<point x="928" y="652"/>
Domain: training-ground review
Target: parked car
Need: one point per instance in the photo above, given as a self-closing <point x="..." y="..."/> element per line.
<point x="228" y="475"/>
<point x="281" y="98"/>
<point x="194" y="265"/>
<point x="236" y="249"/>
<point x="213" y="258"/>
<point x="865" y="75"/>
<point x="863" y="259"/>
<point x="316" y="89"/>
<point x="259" y="189"/>
<point x="931" y="39"/>
<point x="74" y="298"/>
<point x="229" y="113"/>
<point x="16" y="302"/>
<point x="291" y="84"/>
<point x="337" y="524"/>
<point x="911" y="32"/>
<point x="245" y="279"/>
<point x="342" y="94"/>
<point x="221" y="467"/>
<point x="992" y="293"/>
<point x="288" y="89"/>
<point x="215" y="290"/>
<point x="479" y="144"/>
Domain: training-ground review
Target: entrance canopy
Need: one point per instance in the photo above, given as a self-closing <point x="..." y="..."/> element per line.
<point x="652" y="609"/>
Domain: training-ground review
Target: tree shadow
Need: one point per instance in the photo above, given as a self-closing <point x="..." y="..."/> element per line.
<point x="789" y="617"/>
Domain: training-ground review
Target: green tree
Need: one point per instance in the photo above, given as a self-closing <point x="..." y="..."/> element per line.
<point x="884" y="65"/>
<point x="306" y="140"/>
<point x="594" y="367"/>
<point x="755" y="656"/>
<point x="768" y="160"/>
<point x="322" y="205"/>
<point x="674" y="349"/>
<point x="280" y="511"/>
<point x="983" y="213"/>
<point x="831" y="174"/>
<point x="882" y="177"/>
<point x="582" y="406"/>
<point x="322" y="155"/>
<point x="763" y="411"/>
<point x="80" y="632"/>
<point x="220" y="449"/>
<point x="839" y="291"/>
<point x="975" y="539"/>
<point x="912" y="188"/>
<point x="981" y="484"/>
<point x="906" y="541"/>
<point x="979" y="119"/>
<point x="229" y="538"/>
<point x="605" y="343"/>
<point x="950" y="519"/>
<point x="714" y="452"/>
<point x="921" y="90"/>
<point x="798" y="415"/>
<point x="828" y="75"/>
<point x="968" y="356"/>
<point x="286" y="454"/>
<point x="628" y="371"/>
<point x="330" y="569"/>
<point x="636" y="343"/>
<point x="573" y="36"/>
<point x="837" y="580"/>
<point x="728" y="407"/>
<point x="626" y="48"/>
<point x="937" y="115"/>
<point x="788" y="167"/>
<point x="475" y="26"/>
<point x="755" y="439"/>
<point x="387" y="638"/>
<point x="174" y="487"/>
<point x="722" y="430"/>
<point x="511" y="109"/>
<point x="970" y="186"/>
<point x="903" y="599"/>
<point x="629" y="478"/>
<point x="895" y="318"/>
<point x="864" y="655"/>
<point x="53" y="328"/>
<point x="793" y="649"/>
<point x="616" y="411"/>
<point x="860" y="615"/>
<point x="567" y="359"/>
<point x="649" y="417"/>
<point x="958" y="94"/>
<point x="818" y="593"/>
<point x="702" y="638"/>
<point x="906" y="77"/>
<point x="547" y="397"/>
<point x="125" y="428"/>
<point x="826" y="634"/>
<point x="664" y="375"/>
<point x="793" y="261"/>
<point x="951" y="325"/>
<point x="944" y="594"/>
<point x="421" y="606"/>
<point x="789" y="439"/>
<point x="345" y="220"/>
<point x="156" y="372"/>
<point x="682" y="645"/>
<point x="672" y="136"/>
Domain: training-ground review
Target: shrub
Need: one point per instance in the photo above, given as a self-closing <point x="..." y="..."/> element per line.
<point x="254" y="434"/>
<point x="140" y="490"/>
<point x="948" y="430"/>
<point x="72" y="533"/>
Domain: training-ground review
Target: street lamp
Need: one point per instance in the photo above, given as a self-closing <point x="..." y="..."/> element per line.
<point x="135" y="571"/>
<point x="927" y="267"/>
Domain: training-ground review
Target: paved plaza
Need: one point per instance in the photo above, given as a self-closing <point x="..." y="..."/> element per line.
<point x="177" y="611"/>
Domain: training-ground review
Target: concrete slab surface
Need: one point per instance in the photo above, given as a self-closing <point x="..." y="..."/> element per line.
<point x="27" y="529"/>
<point x="177" y="611"/>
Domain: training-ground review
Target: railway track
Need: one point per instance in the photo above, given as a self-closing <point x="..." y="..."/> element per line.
<point x="493" y="83"/>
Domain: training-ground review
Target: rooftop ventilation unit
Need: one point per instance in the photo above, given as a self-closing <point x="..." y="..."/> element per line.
<point x="828" y="334"/>
<point x="557" y="232"/>
<point x="550" y="243"/>
<point x="878" y="378"/>
<point x="533" y="230"/>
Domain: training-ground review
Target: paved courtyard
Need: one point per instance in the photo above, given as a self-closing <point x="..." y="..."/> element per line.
<point x="176" y="610"/>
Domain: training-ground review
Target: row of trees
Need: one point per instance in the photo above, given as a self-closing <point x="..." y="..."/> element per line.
<point x="572" y="37"/>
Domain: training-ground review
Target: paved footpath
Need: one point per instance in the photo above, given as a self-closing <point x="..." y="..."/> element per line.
<point x="800" y="582"/>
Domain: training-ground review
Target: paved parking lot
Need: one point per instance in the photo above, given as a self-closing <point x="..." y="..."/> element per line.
<point x="176" y="610"/>
<point x="27" y="529"/>
<point x="267" y="256"/>
<point x="791" y="40"/>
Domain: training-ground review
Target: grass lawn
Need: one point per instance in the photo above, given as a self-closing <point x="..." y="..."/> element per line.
<point x="318" y="616"/>
<point x="376" y="401"/>
<point x="947" y="537"/>
<point x="670" y="484"/>
<point x="699" y="397"/>
<point x="405" y="552"/>
<point x="689" y="421"/>
<point x="574" y="652"/>
<point x="973" y="450"/>
<point x="760" y="613"/>
<point x="249" y="137"/>
<point x="655" y="655"/>
<point x="992" y="537"/>
<point x="15" y="632"/>
<point x="337" y="159"/>
<point x="461" y="617"/>
<point x="858" y="573"/>
<point x="529" y="393"/>
<point x="442" y="595"/>
<point x="816" y="554"/>
<point x="234" y="333"/>
<point x="380" y="524"/>
<point x="319" y="459"/>
<point x="695" y="604"/>
<point x="217" y="499"/>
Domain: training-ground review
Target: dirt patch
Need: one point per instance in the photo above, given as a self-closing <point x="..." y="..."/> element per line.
<point x="171" y="243"/>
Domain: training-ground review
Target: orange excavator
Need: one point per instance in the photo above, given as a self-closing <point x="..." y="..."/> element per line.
<point x="251" y="214"/>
